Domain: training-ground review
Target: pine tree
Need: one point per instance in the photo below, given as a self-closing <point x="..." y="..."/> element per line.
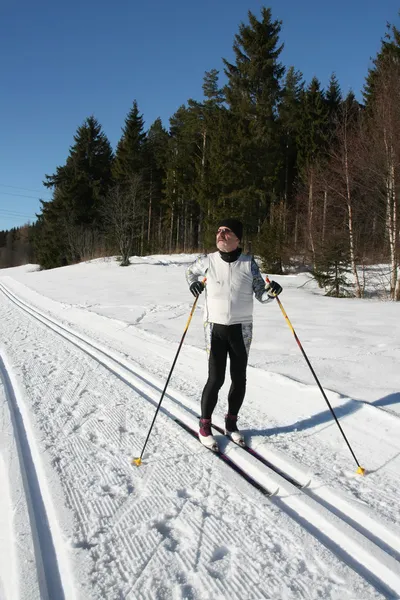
<point x="389" y="53"/>
<point x="85" y="178"/>
<point x="314" y="125"/>
<point x="333" y="99"/>
<point x="180" y="194"/>
<point x="382" y="96"/>
<point x="253" y="92"/>
<point x="155" y="163"/>
<point x="212" y="92"/>
<point x="333" y="96"/>
<point x="312" y="144"/>
<point x="50" y="238"/>
<point x="207" y="126"/>
<point x="129" y="156"/>
<point x="271" y="243"/>
<point x="333" y="266"/>
<point x="80" y="187"/>
<point x="254" y="81"/>
<point x="289" y="122"/>
<point x="129" y="175"/>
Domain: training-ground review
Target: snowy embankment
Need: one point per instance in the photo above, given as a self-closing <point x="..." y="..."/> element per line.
<point x="184" y="525"/>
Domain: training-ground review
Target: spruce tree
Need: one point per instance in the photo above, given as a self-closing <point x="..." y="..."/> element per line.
<point x="271" y="243"/>
<point x="382" y="95"/>
<point x="79" y="188"/>
<point x="212" y="92"/>
<point x="155" y="164"/>
<point x="129" y="156"/>
<point x="184" y="144"/>
<point x="50" y="238"/>
<point x="252" y="93"/>
<point x="389" y="53"/>
<point x="333" y="96"/>
<point x="312" y="145"/>
<point x="333" y="99"/>
<point x="313" y="129"/>
<point x="289" y="123"/>
<point x="207" y="127"/>
<point x="85" y="178"/>
<point x="333" y="267"/>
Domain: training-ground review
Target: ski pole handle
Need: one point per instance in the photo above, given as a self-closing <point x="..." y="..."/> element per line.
<point x="267" y="279"/>
<point x="193" y="308"/>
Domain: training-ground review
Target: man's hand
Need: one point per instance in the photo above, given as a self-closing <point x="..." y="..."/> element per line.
<point x="273" y="289"/>
<point x="196" y="288"/>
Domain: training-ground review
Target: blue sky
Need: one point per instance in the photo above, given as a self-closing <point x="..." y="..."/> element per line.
<point x="61" y="62"/>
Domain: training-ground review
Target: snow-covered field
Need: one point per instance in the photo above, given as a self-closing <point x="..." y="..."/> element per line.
<point x="84" y="355"/>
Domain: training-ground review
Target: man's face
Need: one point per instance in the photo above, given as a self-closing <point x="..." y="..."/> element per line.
<point x="226" y="240"/>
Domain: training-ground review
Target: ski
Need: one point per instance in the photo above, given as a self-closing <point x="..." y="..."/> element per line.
<point x="261" y="458"/>
<point x="227" y="460"/>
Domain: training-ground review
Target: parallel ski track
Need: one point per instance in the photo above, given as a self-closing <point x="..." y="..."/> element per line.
<point x="353" y="532"/>
<point x="49" y="578"/>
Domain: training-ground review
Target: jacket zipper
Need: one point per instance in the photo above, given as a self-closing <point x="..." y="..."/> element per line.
<point x="230" y="293"/>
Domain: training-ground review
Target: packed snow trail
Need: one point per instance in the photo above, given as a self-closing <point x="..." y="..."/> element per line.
<point x="9" y="587"/>
<point x="371" y="423"/>
<point x="383" y="565"/>
<point x="18" y="566"/>
<point x="44" y="525"/>
<point x="298" y="424"/>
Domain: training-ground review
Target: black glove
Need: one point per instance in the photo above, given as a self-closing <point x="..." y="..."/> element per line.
<point x="196" y="288"/>
<point x="273" y="289"/>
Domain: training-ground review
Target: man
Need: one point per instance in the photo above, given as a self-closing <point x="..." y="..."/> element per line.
<point x="232" y="279"/>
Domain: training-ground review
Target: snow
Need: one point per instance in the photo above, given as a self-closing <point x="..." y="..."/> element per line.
<point x="8" y="580"/>
<point x="184" y="524"/>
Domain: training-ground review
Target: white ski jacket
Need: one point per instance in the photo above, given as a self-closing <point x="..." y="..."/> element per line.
<point x="229" y="288"/>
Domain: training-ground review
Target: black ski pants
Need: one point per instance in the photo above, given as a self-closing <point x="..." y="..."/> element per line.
<point x="226" y="340"/>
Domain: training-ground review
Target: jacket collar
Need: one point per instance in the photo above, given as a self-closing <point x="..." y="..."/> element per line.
<point x="230" y="256"/>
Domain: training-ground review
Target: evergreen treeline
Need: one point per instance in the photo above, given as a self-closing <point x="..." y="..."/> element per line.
<point x="16" y="246"/>
<point x="313" y="175"/>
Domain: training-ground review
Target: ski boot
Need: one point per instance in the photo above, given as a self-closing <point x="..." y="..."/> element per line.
<point x="232" y="431"/>
<point x="205" y="435"/>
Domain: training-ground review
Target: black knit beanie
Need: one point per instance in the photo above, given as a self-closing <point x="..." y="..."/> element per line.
<point x="234" y="225"/>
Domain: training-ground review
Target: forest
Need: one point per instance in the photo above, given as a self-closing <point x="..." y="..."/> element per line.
<point x="313" y="175"/>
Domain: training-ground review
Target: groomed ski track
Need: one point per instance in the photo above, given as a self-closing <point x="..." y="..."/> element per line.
<point x="51" y="565"/>
<point x="348" y="529"/>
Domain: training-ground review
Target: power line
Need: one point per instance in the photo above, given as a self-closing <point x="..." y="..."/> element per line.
<point x="12" y="213"/>
<point x="15" y="222"/>
<point x="21" y="188"/>
<point x="20" y="195"/>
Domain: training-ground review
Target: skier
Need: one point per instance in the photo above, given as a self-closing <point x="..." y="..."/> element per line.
<point x="232" y="278"/>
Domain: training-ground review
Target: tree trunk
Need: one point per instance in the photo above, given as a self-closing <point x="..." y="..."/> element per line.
<point x="142" y="238"/>
<point x="391" y="214"/>
<point x="161" y="240"/>
<point x="350" y="224"/>
<point x="185" y="228"/>
<point x="150" y="207"/>
<point x="171" y="233"/>
<point x="324" y="215"/>
<point x="177" y="232"/>
<point x="310" y="215"/>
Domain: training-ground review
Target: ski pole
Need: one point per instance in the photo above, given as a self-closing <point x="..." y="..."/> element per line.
<point x="360" y="470"/>
<point x="138" y="461"/>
